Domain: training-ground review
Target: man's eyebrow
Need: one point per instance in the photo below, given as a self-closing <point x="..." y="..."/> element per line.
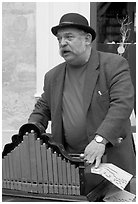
<point x="69" y="33"/>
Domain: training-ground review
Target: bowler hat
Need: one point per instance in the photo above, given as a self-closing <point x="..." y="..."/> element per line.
<point x="74" y="20"/>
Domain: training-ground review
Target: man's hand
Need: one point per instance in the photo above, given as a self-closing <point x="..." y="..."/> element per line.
<point x="94" y="152"/>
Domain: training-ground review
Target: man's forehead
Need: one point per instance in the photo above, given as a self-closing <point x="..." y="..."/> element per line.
<point x="63" y="31"/>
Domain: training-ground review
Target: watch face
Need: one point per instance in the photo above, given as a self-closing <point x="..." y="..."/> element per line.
<point x="99" y="139"/>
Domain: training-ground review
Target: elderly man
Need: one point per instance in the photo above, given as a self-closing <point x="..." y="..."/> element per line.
<point x="88" y="98"/>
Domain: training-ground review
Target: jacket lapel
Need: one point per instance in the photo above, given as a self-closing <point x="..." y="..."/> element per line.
<point x="57" y="93"/>
<point x="58" y="85"/>
<point x="91" y="78"/>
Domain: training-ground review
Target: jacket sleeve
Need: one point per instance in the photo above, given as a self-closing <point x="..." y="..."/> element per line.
<point x="41" y="113"/>
<point x="121" y="101"/>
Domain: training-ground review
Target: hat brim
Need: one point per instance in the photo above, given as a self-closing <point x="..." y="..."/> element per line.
<point x="87" y="29"/>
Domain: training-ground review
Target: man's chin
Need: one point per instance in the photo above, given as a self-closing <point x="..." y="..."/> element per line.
<point x="67" y="59"/>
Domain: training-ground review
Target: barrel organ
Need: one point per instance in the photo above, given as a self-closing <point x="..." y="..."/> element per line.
<point x="38" y="165"/>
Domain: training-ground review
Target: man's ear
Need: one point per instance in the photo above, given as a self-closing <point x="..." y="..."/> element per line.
<point x="88" y="38"/>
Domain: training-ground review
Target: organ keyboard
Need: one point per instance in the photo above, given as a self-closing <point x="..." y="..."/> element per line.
<point x="39" y="166"/>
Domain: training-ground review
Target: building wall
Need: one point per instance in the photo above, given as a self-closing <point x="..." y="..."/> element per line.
<point x="18" y="65"/>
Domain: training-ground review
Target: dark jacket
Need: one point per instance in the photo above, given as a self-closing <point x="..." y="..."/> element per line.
<point x="108" y="102"/>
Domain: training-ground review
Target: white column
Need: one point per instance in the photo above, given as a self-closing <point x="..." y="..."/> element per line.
<point x="48" y="15"/>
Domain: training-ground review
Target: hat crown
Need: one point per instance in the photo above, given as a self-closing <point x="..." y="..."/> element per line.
<point x="74" y="18"/>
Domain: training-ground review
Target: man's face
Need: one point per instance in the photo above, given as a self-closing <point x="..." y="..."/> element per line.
<point x="72" y="44"/>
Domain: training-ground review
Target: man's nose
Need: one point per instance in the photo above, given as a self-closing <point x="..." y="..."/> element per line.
<point x="63" y="42"/>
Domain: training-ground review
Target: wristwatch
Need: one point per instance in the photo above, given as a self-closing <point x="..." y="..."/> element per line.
<point x="100" y="139"/>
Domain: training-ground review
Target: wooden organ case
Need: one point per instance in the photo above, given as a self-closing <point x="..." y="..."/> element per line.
<point x="40" y="168"/>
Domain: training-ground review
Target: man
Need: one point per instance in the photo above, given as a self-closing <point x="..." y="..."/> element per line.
<point x="88" y="98"/>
